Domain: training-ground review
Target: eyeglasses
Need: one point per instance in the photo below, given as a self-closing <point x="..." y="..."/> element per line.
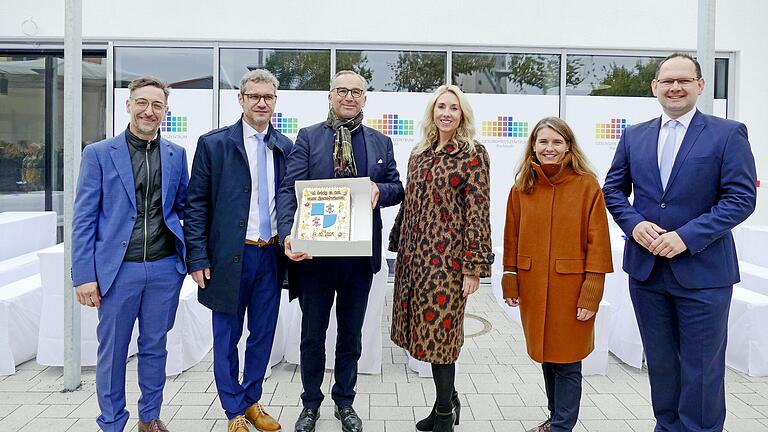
<point x="682" y="82"/>
<point x="343" y="92"/>
<point x="142" y="104"/>
<point x="256" y="98"/>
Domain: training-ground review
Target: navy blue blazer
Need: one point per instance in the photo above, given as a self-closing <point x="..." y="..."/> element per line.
<point x="712" y="188"/>
<point x="105" y="208"/>
<point x="312" y="159"/>
<point x="218" y="206"/>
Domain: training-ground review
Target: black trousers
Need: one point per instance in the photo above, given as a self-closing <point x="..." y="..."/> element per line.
<point x="349" y="279"/>
<point x="563" y="386"/>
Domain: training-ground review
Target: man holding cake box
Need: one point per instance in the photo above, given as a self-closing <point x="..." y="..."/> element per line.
<point x="340" y="147"/>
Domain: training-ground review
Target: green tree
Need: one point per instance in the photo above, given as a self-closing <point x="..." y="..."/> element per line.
<point x="622" y="81"/>
<point x="300" y="70"/>
<point x="418" y="72"/>
<point x="355" y="61"/>
<point x="516" y="70"/>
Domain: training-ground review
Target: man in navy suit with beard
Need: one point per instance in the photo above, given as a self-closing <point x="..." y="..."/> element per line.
<point x="336" y="148"/>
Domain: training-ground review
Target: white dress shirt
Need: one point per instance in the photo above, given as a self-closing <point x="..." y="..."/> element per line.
<point x="251" y="147"/>
<point x="684" y="121"/>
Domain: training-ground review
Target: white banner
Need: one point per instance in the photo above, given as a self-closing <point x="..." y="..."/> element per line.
<point x="503" y="123"/>
<point x="190" y="114"/>
<point x="294" y="109"/>
<point x="598" y="122"/>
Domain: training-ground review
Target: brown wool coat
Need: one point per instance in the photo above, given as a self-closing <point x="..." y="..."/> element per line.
<point x="441" y="233"/>
<point x="553" y="237"/>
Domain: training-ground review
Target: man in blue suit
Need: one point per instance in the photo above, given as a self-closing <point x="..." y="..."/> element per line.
<point x="128" y="251"/>
<point x="338" y="147"/>
<point x="234" y="255"/>
<point x="693" y="178"/>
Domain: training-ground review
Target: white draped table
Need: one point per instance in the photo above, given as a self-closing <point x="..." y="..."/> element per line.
<point x="286" y="345"/>
<point x="596" y="362"/>
<point x="188" y="342"/>
<point x="370" y="358"/>
<point x="19" y="322"/>
<point x="25" y="232"/>
<point x="624" y="340"/>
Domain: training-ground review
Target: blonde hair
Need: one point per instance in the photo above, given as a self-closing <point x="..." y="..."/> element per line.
<point x="465" y="133"/>
<point x="525" y="177"/>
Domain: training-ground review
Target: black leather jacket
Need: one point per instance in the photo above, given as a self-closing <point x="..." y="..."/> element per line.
<point x="150" y="239"/>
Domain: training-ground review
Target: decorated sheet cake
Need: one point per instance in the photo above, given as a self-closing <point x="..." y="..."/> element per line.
<point x="324" y="214"/>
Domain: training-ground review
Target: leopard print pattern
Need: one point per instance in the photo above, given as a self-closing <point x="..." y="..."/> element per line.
<point x="442" y="232"/>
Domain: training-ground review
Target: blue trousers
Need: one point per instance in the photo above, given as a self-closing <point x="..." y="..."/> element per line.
<point x="260" y="298"/>
<point x="349" y="279"/>
<point x="684" y="333"/>
<point x="562" y="381"/>
<point x="149" y="292"/>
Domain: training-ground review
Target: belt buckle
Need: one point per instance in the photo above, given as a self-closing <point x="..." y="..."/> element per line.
<point x="261" y="243"/>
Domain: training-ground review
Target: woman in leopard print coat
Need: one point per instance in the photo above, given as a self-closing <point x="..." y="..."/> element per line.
<point x="442" y="236"/>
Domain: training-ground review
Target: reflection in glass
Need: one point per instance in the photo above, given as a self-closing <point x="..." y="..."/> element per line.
<point x="22" y="133"/>
<point x="295" y="69"/>
<point x="507" y="73"/>
<point x="721" y="78"/>
<point x="628" y="76"/>
<point x="181" y="68"/>
<point x="94" y="118"/>
<point x="32" y="125"/>
<point x="613" y="75"/>
<point x="401" y="71"/>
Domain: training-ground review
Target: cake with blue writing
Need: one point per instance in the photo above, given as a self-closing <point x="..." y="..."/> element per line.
<point x="324" y="214"/>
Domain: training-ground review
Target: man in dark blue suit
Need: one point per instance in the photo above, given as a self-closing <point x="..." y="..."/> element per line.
<point x="234" y="255"/>
<point x="694" y="179"/>
<point x="128" y="251"/>
<point x="338" y="147"/>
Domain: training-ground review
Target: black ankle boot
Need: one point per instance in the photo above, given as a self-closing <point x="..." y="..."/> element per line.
<point x="456" y="403"/>
<point x="428" y="423"/>
<point x="444" y="421"/>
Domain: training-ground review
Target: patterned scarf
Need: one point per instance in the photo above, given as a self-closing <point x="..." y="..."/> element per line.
<point x="343" y="159"/>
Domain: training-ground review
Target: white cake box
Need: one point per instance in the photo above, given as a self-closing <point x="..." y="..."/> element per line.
<point x="361" y="220"/>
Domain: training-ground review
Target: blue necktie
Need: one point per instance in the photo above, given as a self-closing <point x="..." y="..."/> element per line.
<point x="668" y="153"/>
<point x="265" y="222"/>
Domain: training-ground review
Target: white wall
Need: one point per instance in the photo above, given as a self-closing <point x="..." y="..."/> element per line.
<point x="648" y="24"/>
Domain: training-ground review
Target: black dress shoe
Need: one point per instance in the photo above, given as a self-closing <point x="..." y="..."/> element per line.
<point x="350" y="422"/>
<point x="307" y="420"/>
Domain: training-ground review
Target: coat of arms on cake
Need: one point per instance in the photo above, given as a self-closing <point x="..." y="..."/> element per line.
<point x="324" y="214"/>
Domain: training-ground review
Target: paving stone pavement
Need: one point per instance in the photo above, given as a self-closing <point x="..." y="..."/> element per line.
<point x="501" y="391"/>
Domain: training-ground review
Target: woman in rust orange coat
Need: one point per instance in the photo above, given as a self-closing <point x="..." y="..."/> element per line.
<point x="556" y="253"/>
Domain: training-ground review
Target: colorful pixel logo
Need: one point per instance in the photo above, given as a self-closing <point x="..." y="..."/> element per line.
<point x="391" y="124"/>
<point x="286" y="125"/>
<point x="174" y="124"/>
<point x="505" y="127"/>
<point x="612" y="130"/>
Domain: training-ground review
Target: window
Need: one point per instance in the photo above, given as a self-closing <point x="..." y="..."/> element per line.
<point x="396" y="71"/>
<point x="181" y="68"/>
<point x="627" y="75"/>
<point x="32" y="126"/>
<point x="22" y="132"/>
<point x="499" y="73"/>
<point x="295" y="69"/>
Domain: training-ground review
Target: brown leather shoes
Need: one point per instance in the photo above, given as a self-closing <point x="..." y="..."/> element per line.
<point x="544" y="427"/>
<point x="261" y="420"/>
<point x="238" y="424"/>
<point x="153" y="426"/>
